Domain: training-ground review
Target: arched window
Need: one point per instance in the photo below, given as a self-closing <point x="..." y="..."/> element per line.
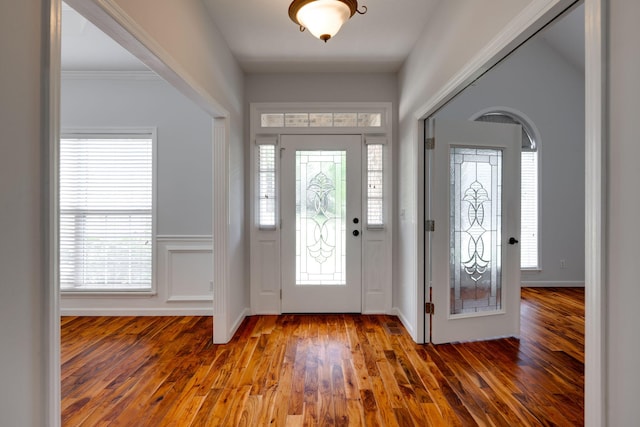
<point x="529" y="185"/>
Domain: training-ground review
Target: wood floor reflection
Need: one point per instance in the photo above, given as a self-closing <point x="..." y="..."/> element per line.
<point x="324" y="370"/>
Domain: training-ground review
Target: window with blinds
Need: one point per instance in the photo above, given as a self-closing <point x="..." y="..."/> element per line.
<point x="529" y="210"/>
<point x="266" y="186"/>
<point x="375" y="193"/>
<point x="106" y="213"/>
<point x="529" y="186"/>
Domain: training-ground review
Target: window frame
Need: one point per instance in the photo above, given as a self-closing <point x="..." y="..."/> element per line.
<point x="271" y="141"/>
<point x="375" y="141"/>
<point x="115" y="133"/>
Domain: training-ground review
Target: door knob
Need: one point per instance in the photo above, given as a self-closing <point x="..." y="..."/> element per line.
<point x="356" y="233"/>
<point x="513" y="240"/>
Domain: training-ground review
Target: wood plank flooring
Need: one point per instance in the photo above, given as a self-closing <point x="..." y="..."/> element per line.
<point x="329" y="370"/>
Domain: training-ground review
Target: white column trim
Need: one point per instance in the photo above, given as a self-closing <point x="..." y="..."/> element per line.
<point x="50" y="280"/>
<point x="596" y="238"/>
<point x="221" y="333"/>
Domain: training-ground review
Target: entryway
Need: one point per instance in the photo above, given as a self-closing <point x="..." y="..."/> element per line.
<point x="321" y="208"/>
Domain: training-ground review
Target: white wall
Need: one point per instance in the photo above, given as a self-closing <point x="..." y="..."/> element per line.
<point x="22" y="271"/>
<point x="184" y="132"/>
<point x="186" y="38"/>
<point x="323" y="87"/>
<point x="452" y="37"/>
<point x="328" y="88"/>
<point x="184" y="184"/>
<point x="548" y="90"/>
<point x="622" y="337"/>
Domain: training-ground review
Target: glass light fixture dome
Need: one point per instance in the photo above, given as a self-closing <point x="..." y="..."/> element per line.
<point x="323" y="18"/>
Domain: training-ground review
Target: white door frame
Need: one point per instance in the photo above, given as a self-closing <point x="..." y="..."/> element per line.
<point x="596" y="148"/>
<point x="377" y="241"/>
<point x="535" y="16"/>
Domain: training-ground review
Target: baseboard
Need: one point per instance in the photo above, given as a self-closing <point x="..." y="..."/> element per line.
<point x="136" y="312"/>
<point x="405" y="322"/>
<point x="552" y="284"/>
<point x="234" y="328"/>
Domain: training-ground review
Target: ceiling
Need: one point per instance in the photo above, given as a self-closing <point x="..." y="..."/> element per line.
<point x="264" y="39"/>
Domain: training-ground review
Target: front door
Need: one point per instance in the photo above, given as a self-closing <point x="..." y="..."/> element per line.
<point x="321" y="223"/>
<point x="475" y="258"/>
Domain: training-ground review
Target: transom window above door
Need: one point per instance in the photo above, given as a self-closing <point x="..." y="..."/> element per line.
<point x="338" y="120"/>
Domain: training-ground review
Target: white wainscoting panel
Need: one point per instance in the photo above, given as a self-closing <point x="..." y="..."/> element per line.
<point x="376" y="272"/>
<point x="185" y="267"/>
<point x="266" y="273"/>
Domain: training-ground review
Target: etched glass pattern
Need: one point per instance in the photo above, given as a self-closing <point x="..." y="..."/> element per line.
<point x="345" y="120"/>
<point x="320" y="217"/>
<point x="272" y="120"/>
<point x="296" y="120"/>
<point x="369" y="120"/>
<point x="321" y="120"/>
<point x="303" y="120"/>
<point x="475" y="230"/>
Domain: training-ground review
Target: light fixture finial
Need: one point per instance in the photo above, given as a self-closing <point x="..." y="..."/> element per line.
<point x="323" y="18"/>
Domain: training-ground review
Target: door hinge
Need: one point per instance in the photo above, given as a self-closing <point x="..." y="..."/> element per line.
<point x="429" y="225"/>
<point x="281" y="294"/>
<point x="429" y="308"/>
<point x="429" y="143"/>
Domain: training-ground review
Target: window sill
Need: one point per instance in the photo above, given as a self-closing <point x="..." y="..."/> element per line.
<point x="104" y="293"/>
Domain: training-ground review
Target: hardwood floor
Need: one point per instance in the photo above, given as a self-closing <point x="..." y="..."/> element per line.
<point x="296" y="370"/>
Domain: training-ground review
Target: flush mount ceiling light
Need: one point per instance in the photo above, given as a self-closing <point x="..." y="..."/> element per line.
<point x="323" y="18"/>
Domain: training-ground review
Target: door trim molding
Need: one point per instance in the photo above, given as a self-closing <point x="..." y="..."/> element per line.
<point x="265" y="282"/>
<point x="596" y="236"/>
<point x="51" y="116"/>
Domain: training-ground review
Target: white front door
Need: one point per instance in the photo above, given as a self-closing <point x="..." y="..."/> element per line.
<point x="475" y="257"/>
<point x="321" y="223"/>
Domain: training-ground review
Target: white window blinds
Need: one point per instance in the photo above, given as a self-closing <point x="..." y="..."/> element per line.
<point x="266" y="163"/>
<point x="375" y="185"/>
<point x="106" y="224"/>
<point x="529" y="210"/>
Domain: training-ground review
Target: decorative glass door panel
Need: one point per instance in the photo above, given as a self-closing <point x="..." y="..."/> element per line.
<point x="475" y="230"/>
<point x="320" y="217"/>
<point x="474" y="259"/>
<point x="320" y="232"/>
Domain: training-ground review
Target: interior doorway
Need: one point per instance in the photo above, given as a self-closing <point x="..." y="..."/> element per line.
<point x="542" y="85"/>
